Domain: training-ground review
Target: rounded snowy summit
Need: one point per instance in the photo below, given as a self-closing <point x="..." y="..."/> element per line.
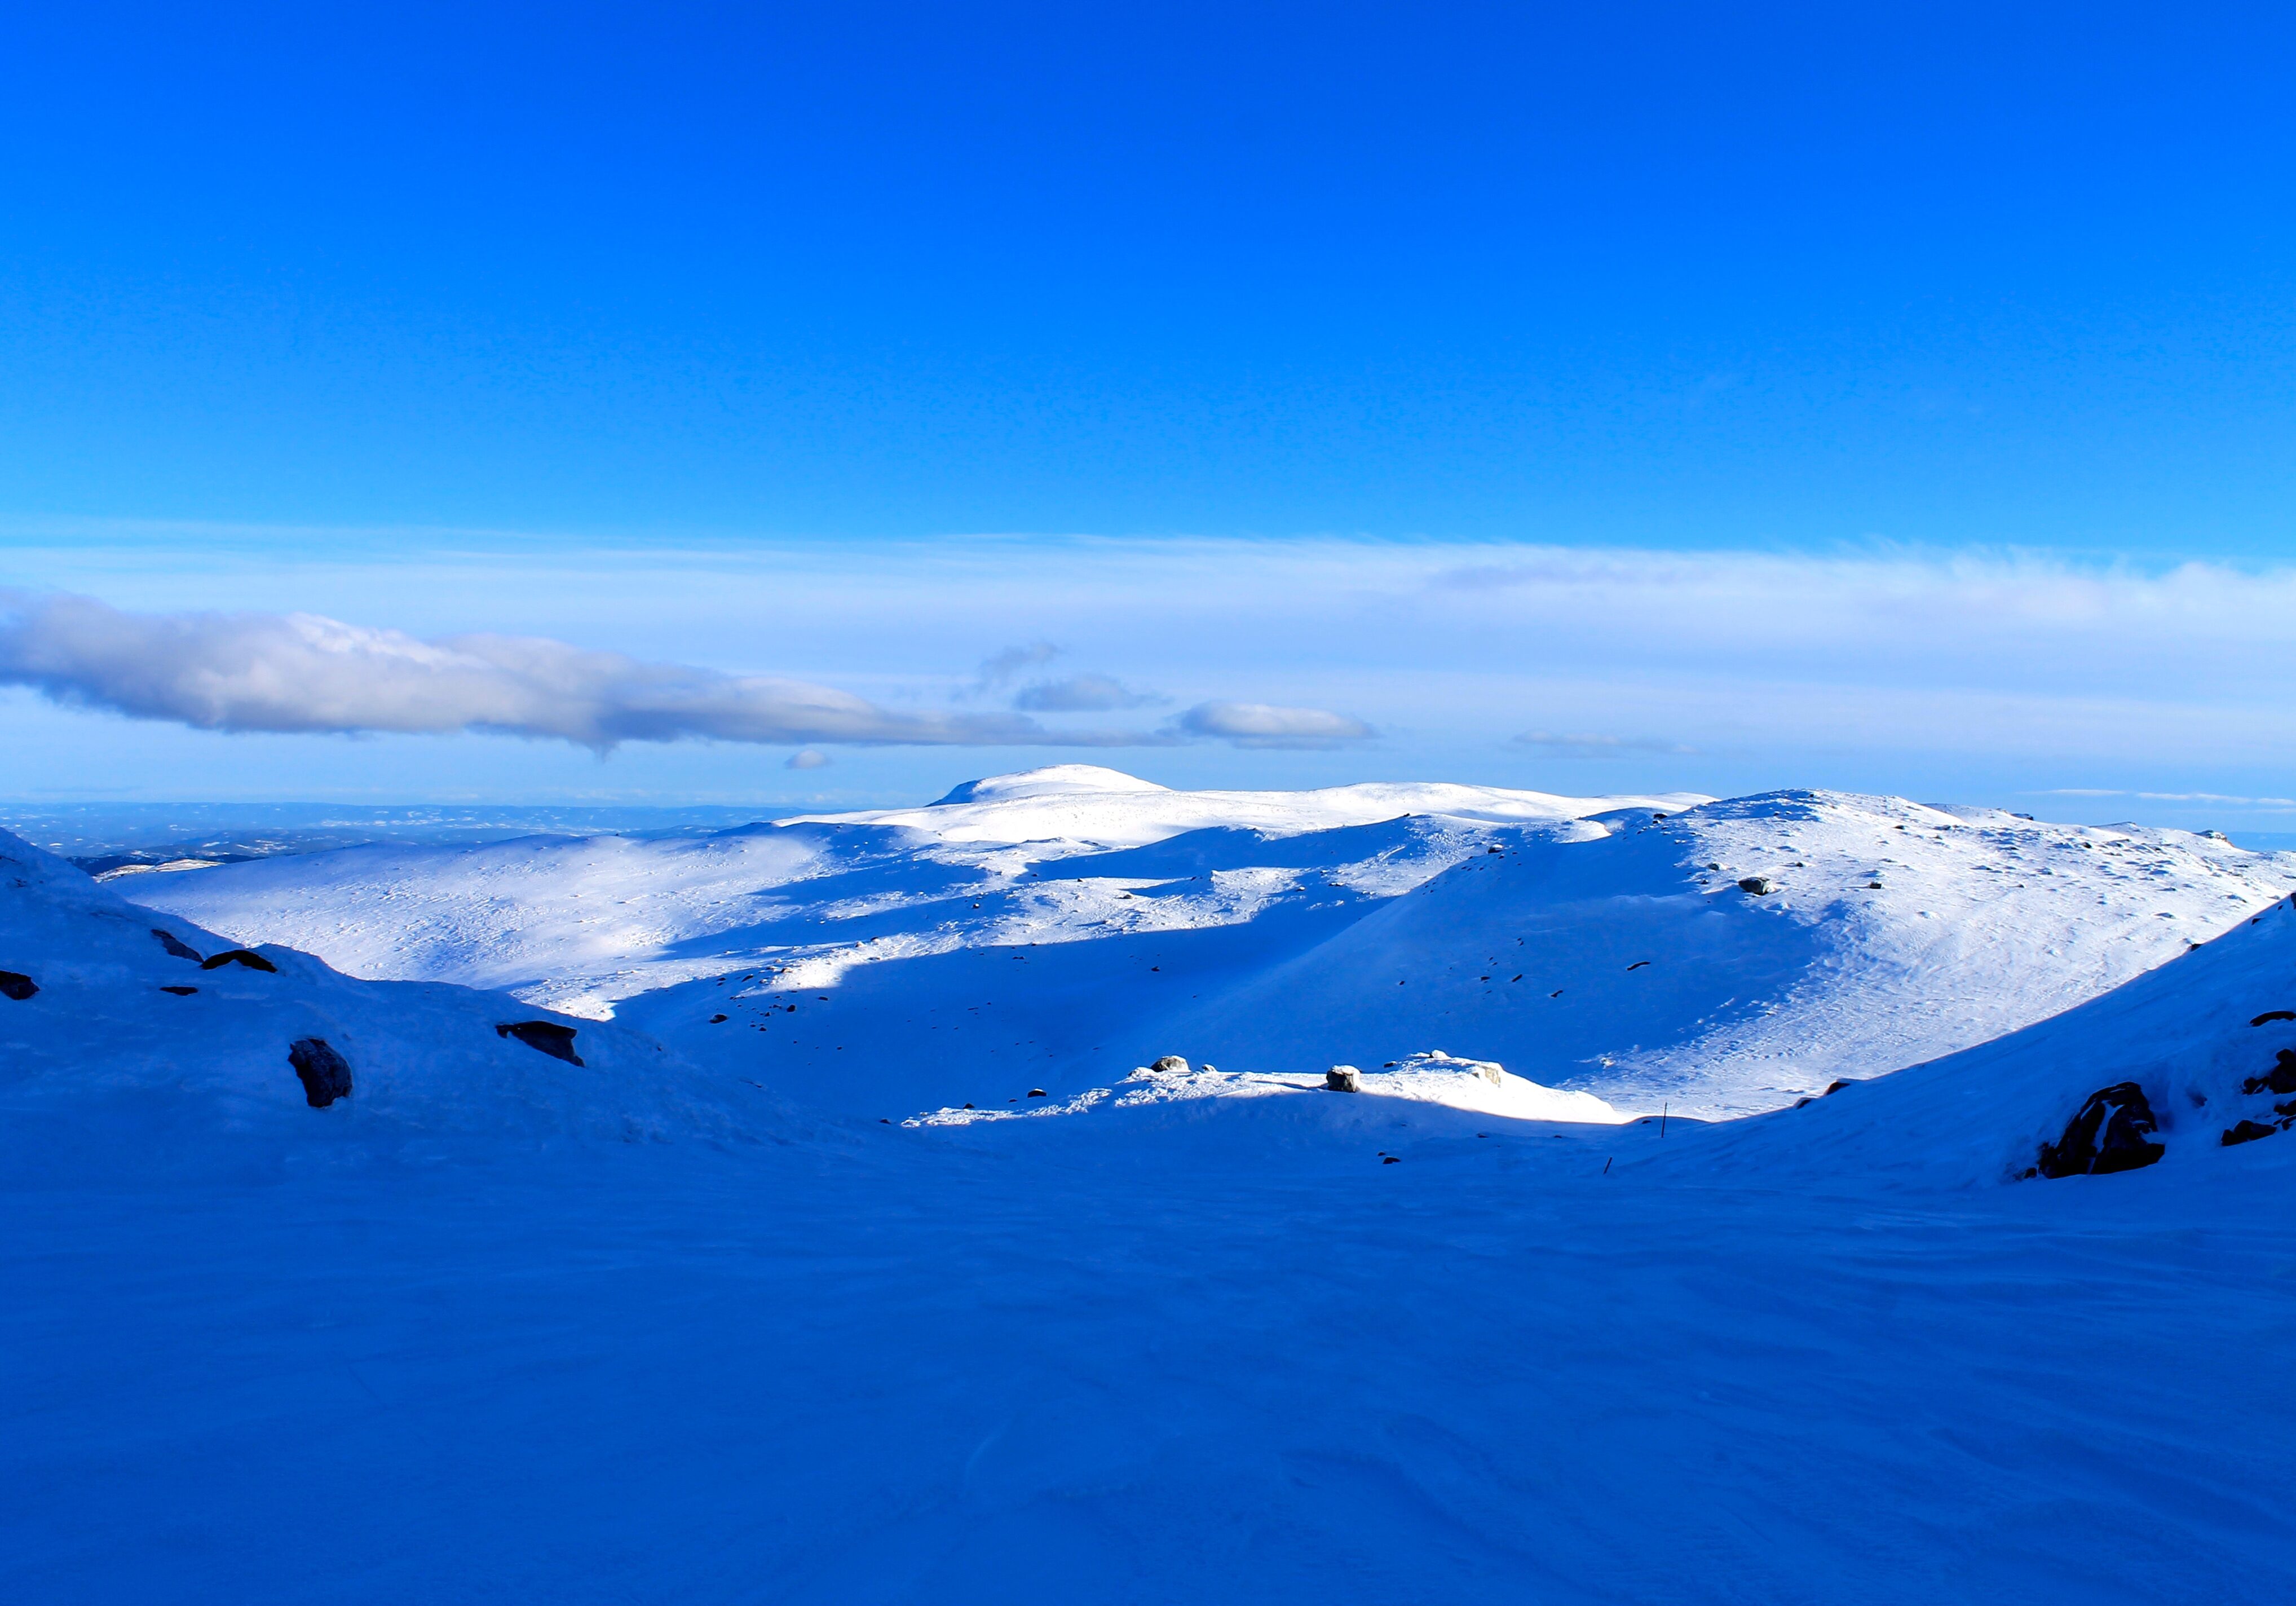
<point x="1053" y="780"/>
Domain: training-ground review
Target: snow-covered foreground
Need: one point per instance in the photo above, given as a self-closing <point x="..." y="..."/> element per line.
<point x="498" y="1326"/>
<point x="1055" y="928"/>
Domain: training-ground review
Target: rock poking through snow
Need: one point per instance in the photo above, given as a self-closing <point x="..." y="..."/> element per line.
<point x="16" y="985"/>
<point x="326" y="1074"/>
<point x="176" y="946"/>
<point x="2280" y="1078"/>
<point x="1171" y="1065"/>
<point x="548" y="1036"/>
<point x="1343" y="1078"/>
<point x="2112" y="1133"/>
<point x="249" y="957"/>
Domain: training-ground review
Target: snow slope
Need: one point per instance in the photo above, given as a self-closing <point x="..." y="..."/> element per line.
<point x="181" y="1058"/>
<point x="1246" y="1343"/>
<point x="580" y="923"/>
<point x="895" y="962"/>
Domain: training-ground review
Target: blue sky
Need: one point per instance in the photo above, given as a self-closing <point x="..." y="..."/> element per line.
<point x="1211" y="347"/>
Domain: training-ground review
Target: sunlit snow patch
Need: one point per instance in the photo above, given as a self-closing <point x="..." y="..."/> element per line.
<point x="1433" y="1077"/>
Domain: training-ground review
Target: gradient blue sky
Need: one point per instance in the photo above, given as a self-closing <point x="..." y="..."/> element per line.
<point x="487" y="318"/>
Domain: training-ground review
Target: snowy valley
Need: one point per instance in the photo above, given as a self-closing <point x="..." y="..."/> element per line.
<point x="1077" y="1189"/>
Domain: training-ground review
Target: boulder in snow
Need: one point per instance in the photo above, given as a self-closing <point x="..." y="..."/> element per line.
<point x="16" y="985"/>
<point x="326" y="1074"/>
<point x="552" y="1039"/>
<point x="249" y="957"/>
<point x="2112" y="1132"/>
<point x="1171" y="1065"/>
<point x="176" y="946"/>
<point x="1343" y="1078"/>
<point x="2247" y="1132"/>
<point x="1761" y="886"/>
<point x="2280" y="1078"/>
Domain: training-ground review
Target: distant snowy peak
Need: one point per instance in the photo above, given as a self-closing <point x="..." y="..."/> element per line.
<point x="1086" y="804"/>
<point x="1051" y="780"/>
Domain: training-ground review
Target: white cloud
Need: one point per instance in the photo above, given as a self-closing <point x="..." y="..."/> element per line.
<point x="1083" y="694"/>
<point x="808" y="759"/>
<point x="1263" y="726"/>
<point x="300" y="673"/>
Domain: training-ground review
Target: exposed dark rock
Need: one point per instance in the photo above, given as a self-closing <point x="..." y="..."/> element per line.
<point x="1836" y="1086"/>
<point x="2280" y="1078"/>
<point x="548" y="1036"/>
<point x="176" y="946"/>
<point x="16" y="985"/>
<point x="326" y="1074"/>
<point x="1761" y="886"/>
<point x="1390" y="1160"/>
<point x="1169" y="1065"/>
<point x="253" y="960"/>
<point x="714" y="1019"/>
<point x="1035" y="1092"/>
<point x="180" y="992"/>
<point x="2247" y="1132"/>
<point x="1343" y="1078"/>
<point x="2270" y="1015"/>
<point x="2112" y="1133"/>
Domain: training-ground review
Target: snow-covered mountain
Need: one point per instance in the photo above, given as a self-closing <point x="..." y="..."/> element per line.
<point x="1216" y="1334"/>
<point x="1056" y="928"/>
<point x="1253" y="1330"/>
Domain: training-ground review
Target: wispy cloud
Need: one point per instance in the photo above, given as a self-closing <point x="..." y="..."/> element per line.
<point x="998" y="669"/>
<point x="1260" y="725"/>
<point x="1084" y="694"/>
<point x="805" y="759"/>
<point x="2164" y="796"/>
<point x="1590" y="745"/>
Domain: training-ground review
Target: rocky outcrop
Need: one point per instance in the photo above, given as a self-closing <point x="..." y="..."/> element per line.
<point x="2246" y="1132"/>
<point x="2280" y="1078"/>
<point x="548" y="1036"/>
<point x="326" y="1074"/>
<point x="177" y="947"/>
<point x="16" y="985"/>
<point x="2112" y="1132"/>
<point x="249" y="957"/>
<point x="1171" y="1065"/>
<point x="1343" y="1078"/>
<point x="1761" y="886"/>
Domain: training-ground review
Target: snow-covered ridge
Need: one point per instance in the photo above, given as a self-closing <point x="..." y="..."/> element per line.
<point x="1086" y="804"/>
<point x="899" y="961"/>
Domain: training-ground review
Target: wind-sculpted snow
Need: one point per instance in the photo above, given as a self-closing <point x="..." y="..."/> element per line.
<point x="1056" y="928"/>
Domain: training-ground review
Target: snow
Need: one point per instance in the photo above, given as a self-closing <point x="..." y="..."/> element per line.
<point x="1059" y="927"/>
<point x="760" y="1310"/>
